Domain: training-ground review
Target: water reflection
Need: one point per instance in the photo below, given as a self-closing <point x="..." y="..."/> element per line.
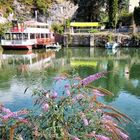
<point x="22" y="69"/>
<point x="26" y="60"/>
<point x="124" y="66"/>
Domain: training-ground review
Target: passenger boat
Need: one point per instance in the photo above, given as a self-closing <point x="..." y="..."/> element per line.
<point x="111" y="45"/>
<point x="27" y="35"/>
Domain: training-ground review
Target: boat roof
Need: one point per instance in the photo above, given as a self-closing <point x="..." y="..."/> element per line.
<point x="31" y="22"/>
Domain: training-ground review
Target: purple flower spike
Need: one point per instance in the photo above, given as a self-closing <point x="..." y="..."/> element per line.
<point x="54" y="95"/>
<point x="46" y="107"/>
<point x="97" y="92"/>
<point x="85" y="121"/>
<point x="107" y="117"/>
<point x="92" y="78"/>
<point x="68" y="92"/>
<point x="67" y="86"/>
<point x="102" y="137"/>
<point x="123" y="135"/>
<point x="6" y="110"/>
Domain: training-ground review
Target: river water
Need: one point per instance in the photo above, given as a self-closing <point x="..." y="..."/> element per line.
<point x="30" y="69"/>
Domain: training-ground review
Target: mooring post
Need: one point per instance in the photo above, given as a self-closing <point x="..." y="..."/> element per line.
<point x="65" y="40"/>
<point x="92" y="40"/>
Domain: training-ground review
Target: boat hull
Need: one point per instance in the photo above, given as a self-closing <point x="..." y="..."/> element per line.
<point x="17" y="47"/>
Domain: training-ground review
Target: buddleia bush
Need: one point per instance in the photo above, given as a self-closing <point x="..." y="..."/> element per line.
<point x="69" y="110"/>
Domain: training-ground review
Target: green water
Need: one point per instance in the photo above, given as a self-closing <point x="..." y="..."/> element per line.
<point x="22" y="69"/>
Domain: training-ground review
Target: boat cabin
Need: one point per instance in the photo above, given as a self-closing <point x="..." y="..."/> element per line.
<point x="27" y="35"/>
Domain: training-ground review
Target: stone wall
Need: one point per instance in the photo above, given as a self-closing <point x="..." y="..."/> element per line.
<point x="92" y="39"/>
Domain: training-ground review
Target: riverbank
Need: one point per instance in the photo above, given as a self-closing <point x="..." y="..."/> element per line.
<point x="99" y="39"/>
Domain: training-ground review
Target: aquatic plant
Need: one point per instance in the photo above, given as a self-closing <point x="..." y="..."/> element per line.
<point x="72" y="111"/>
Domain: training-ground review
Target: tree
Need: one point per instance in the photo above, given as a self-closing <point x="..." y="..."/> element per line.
<point x="113" y="10"/>
<point x="137" y="16"/>
<point x="89" y="10"/>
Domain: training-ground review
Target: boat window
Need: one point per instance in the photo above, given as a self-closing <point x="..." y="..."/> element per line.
<point x="37" y="35"/>
<point x="32" y="36"/>
<point x="47" y="35"/>
<point x="25" y="36"/>
<point x="42" y="35"/>
<point x="16" y="36"/>
<point x="7" y="36"/>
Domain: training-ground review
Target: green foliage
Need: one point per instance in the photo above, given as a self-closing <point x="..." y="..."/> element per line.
<point x="136" y="37"/>
<point x="110" y="38"/>
<point x="137" y="15"/>
<point x="68" y="23"/>
<point x="27" y="2"/>
<point x="4" y="27"/>
<point x="126" y="18"/>
<point x="103" y="17"/>
<point x="113" y="10"/>
<point x="58" y="28"/>
<point x="41" y="5"/>
<point x="93" y="31"/>
<point x="89" y="10"/>
<point x="123" y="5"/>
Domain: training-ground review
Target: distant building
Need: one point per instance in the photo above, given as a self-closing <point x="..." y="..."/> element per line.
<point x="133" y="4"/>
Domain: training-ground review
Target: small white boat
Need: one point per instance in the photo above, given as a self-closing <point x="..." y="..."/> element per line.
<point x="111" y="45"/>
<point x="53" y="46"/>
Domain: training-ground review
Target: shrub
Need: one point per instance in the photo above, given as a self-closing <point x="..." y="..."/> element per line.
<point x="93" y="31"/>
<point x="126" y="19"/>
<point x="58" y="28"/>
<point x="70" y="112"/>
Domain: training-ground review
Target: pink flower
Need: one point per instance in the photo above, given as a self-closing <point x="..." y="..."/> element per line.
<point x="99" y="111"/>
<point x="46" y="107"/>
<point x="67" y="86"/>
<point x="107" y="117"/>
<point x="10" y="115"/>
<point x="97" y="92"/>
<point x="102" y="137"/>
<point x="75" y="138"/>
<point x="54" y="95"/>
<point x="123" y="135"/>
<point x="85" y="121"/>
<point x="68" y="92"/>
<point x="6" y="110"/>
<point x="21" y="112"/>
<point x="23" y="120"/>
<point x="92" y="78"/>
<point x="79" y="96"/>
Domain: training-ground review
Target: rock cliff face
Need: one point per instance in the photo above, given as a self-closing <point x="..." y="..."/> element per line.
<point x="57" y="12"/>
